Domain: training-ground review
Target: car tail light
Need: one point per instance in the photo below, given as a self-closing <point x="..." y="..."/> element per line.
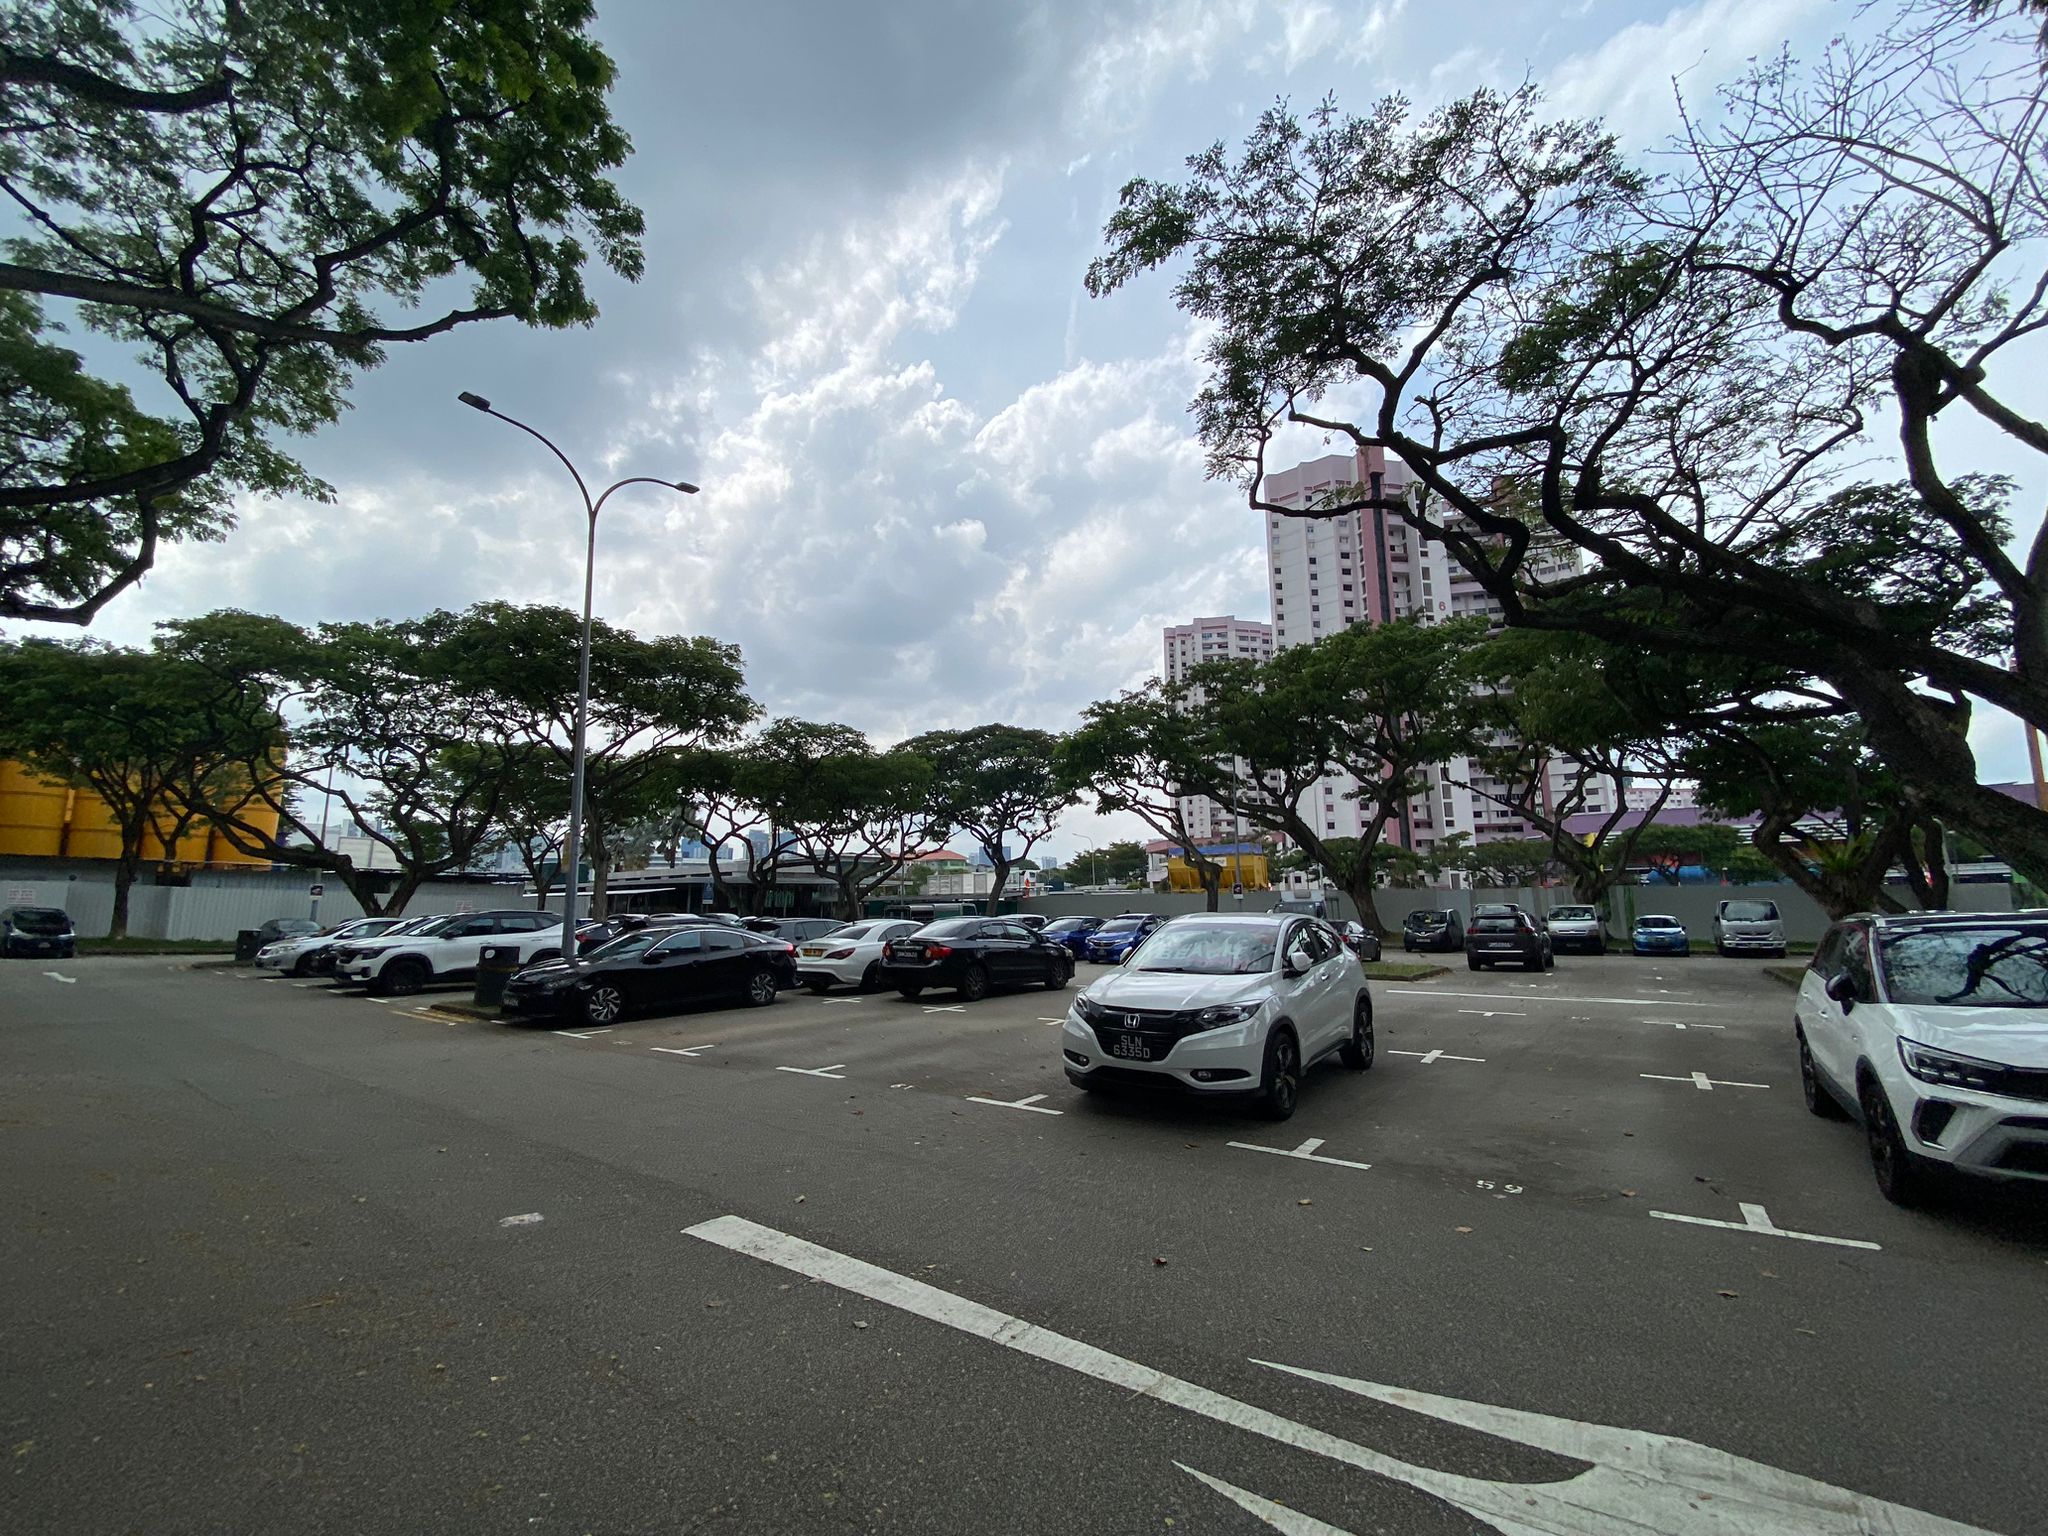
<point x="788" y="948"/>
<point x="839" y="954"/>
<point x="938" y="951"/>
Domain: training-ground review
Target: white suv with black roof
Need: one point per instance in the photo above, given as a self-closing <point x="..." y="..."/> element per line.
<point x="1932" y="1030"/>
<point x="1219" y="1006"/>
<point x="447" y="948"/>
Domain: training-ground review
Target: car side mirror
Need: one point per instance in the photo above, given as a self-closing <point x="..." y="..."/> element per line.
<point x="1291" y="964"/>
<point x="1842" y="989"/>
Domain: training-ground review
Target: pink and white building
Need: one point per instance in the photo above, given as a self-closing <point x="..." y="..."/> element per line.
<point x="1187" y="646"/>
<point x="1365" y="567"/>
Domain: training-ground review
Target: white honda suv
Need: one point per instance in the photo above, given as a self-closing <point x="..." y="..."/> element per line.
<point x="446" y="949"/>
<point x="1932" y="1030"/>
<point x="1221" y="1006"/>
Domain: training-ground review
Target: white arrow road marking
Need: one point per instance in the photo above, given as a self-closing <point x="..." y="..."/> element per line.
<point x="831" y="1071"/>
<point x="1429" y="1056"/>
<point x="682" y="1050"/>
<point x="69" y="981"/>
<point x="1494" y="997"/>
<point x="1492" y="1013"/>
<point x="1638" y="1482"/>
<point x="1030" y="1103"/>
<point x="1282" y="1519"/>
<point x="1756" y="1219"/>
<point x="1700" y="1080"/>
<point x="1306" y="1152"/>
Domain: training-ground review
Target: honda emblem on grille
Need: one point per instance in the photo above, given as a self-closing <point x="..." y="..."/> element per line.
<point x="1132" y="1020"/>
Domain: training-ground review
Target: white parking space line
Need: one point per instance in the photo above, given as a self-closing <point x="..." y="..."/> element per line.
<point x="1627" y="1002"/>
<point x="1700" y="1080"/>
<point x="1429" y="1056"/>
<point x="838" y="1002"/>
<point x="831" y="1071"/>
<point x="946" y="1008"/>
<point x="1060" y="1020"/>
<point x="583" y="1034"/>
<point x="1306" y="1152"/>
<point x="1680" y="1024"/>
<point x="1756" y="1219"/>
<point x="692" y="1051"/>
<point x="69" y="981"/>
<point x="1031" y="1103"/>
<point x="1636" y="1481"/>
<point x="1494" y="1013"/>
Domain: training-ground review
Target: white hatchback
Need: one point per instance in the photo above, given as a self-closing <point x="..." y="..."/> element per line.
<point x="1932" y="1029"/>
<point x="851" y="954"/>
<point x="1223" y="1006"/>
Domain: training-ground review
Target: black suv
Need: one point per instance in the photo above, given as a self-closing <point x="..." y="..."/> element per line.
<point x="1439" y="928"/>
<point x="1510" y="935"/>
<point x="32" y="932"/>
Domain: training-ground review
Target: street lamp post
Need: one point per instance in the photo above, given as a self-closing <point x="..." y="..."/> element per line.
<point x="572" y="850"/>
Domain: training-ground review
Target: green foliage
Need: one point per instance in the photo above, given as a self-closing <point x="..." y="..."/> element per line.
<point x="1122" y="863"/>
<point x="1000" y="784"/>
<point x="232" y="189"/>
<point x="1130" y="753"/>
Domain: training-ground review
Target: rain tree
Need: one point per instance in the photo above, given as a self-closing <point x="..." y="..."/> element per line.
<point x="1000" y="785"/>
<point x="235" y="194"/>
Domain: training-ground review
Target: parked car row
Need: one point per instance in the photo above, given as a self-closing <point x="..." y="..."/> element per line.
<point x="1739" y="927"/>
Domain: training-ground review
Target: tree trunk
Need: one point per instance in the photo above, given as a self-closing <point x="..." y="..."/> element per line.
<point x="124" y="881"/>
<point x="1002" y="880"/>
<point x="1858" y="887"/>
<point x="1212" y="882"/>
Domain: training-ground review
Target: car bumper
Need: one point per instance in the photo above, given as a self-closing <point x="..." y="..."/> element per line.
<point x="274" y="962"/>
<point x="1237" y="1054"/>
<point x="360" y="972"/>
<point x="1523" y="954"/>
<point x="944" y="974"/>
<point x="1985" y="1134"/>
<point x="52" y="949"/>
<point x="547" y="1005"/>
<point x="1683" y="947"/>
<point x="1762" y="944"/>
<point x="848" y="972"/>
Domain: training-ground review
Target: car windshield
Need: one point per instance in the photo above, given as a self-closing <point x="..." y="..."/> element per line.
<point x="2001" y="966"/>
<point x="861" y="931"/>
<point x="1749" y="911"/>
<point x="1656" y="922"/>
<point x="1571" y="914"/>
<point x="1065" y="925"/>
<point x="1427" y="919"/>
<point x="950" y="928"/>
<point x="41" y="919"/>
<point x="1209" y="949"/>
<point x="1120" y="925"/>
<point x="436" y="924"/>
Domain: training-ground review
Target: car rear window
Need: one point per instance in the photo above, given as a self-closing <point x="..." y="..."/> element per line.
<point x="1573" y="914"/>
<point x="951" y="928"/>
<point x="1494" y="925"/>
<point x="1428" y="919"/>
<point x="1996" y="966"/>
<point x="1749" y="911"/>
<point x="41" y="919"/>
<point x="1657" y="922"/>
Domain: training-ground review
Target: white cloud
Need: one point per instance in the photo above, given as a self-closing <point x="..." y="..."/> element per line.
<point x="1628" y="79"/>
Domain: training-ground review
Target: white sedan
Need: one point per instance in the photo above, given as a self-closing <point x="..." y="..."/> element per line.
<point x="851" y="955"/>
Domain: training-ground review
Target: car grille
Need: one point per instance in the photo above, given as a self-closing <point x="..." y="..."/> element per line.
<point x="2024" y="1083"/>
<point x="1155" y="1024"/>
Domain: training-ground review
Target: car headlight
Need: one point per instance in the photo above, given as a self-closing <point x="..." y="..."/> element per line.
<point x="1092" y="1011"/>
<point x="1932" y="1066"/>
<point x="1226" y="1013"/>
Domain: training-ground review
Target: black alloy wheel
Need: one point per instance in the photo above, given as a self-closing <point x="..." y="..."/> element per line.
<point x="1819" y="1101"/>
<point x="871" y="978"/>
<point x="402" y="978"/>
<point x="760" y="989"/>
<point x="1280" y="1085"/>
<point x="1357" y="1052"/>
<point x="603" y="1004"/>
<point x="974" y="983"/>
<point x="1899" y="1176"/>
<point x="1059" y="975"/>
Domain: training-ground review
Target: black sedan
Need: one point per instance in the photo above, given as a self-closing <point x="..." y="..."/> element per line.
<point x="1360" y="940"/>
<point x="973" y="954"/>
<point x="657" y="968"/>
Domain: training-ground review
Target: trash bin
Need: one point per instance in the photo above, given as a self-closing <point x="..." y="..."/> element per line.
<point x="495" y="964"/>
<point x="247" y="942"/>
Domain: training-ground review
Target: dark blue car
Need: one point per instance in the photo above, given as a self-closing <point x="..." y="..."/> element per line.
<point x="1072" y="932"/>
<point x="1116" y="938"/>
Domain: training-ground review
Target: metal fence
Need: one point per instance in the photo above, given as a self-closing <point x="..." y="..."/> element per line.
<point x="217" y="907"/>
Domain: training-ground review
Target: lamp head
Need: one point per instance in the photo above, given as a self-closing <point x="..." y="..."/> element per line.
<point x="686" y="488"/>
<point x="474" y="402"/>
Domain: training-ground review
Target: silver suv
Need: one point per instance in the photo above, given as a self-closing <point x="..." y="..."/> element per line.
<point x="1749" y="927"/>
<point x="446" y="948"/>
<point x="1577" y="928"/>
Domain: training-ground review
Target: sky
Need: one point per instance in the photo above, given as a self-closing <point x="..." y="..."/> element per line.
<point x="941" y="485"/>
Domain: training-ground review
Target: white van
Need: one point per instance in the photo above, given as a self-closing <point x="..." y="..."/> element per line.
<point x="1749" y="927"/>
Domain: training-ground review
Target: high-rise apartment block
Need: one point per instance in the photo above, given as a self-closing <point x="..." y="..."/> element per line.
<point x="1365" y="567"/>
<point x="1187" y="646"/>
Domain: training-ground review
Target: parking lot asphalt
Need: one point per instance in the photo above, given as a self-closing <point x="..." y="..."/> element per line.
<point x="286" y="1258"/>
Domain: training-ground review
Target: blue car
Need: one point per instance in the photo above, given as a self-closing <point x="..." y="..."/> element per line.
<point x="1116" y="938"/>
<point x="1660" y="936"/>
<point x="1073" y="932"/>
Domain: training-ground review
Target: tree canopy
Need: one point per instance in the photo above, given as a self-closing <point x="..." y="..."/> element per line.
<point x="1000" y="784"/>
<point x="230" y="191"/>
<point x="1640" y="408"/>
